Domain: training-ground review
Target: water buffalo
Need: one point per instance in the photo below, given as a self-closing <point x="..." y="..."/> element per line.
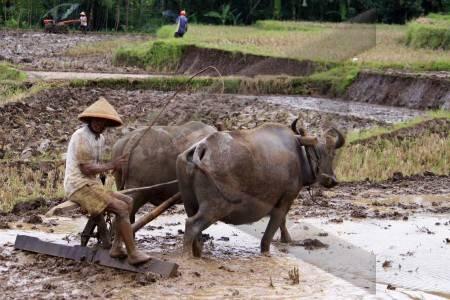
<point x="154" y="158"/>
<point x="242" y="176"/>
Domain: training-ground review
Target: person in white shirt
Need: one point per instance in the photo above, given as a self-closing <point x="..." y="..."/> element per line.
<point x="83" y="22"/>
<point x="81" y="184"/>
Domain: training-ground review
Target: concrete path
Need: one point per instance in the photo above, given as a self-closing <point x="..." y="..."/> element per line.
<point x="47" y="76"/>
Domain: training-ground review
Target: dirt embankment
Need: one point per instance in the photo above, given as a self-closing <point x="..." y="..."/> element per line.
<point x="418" y="91"/>
<point x="230" y="63"/>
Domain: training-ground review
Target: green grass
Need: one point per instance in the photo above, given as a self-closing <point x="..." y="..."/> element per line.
<point x="431" y="36"/>
<point x="331" y="42"/>
<point x="379" y="160"/>
<point x="383" y="156"/>
<point x="159" y="56"/>
<point x="11" y="82"/>
<point x="8" y="72"/>
<point x="289" y="25"/>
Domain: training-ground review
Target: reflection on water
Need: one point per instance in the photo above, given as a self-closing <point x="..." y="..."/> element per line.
<point x="414" y="252"/>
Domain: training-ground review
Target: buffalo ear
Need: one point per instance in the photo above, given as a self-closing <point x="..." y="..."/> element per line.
<point x="308" y="140"/>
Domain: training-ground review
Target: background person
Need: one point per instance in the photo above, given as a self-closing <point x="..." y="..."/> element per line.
<point x="83" y="22"/>
<point x="182" y="25"/>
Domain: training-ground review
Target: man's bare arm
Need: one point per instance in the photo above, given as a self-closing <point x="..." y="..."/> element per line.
<point x="91" y="169"/>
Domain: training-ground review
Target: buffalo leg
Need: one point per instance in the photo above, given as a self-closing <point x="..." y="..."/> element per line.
<point x="277" y="219"/>
<point x="285" y="236"/>
<point x="194" y="227"/>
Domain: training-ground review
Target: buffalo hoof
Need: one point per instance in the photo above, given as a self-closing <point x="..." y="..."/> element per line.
<point x="286" y="239"/>
<point x="266" y="254"/>
<point x="197" y="248"/>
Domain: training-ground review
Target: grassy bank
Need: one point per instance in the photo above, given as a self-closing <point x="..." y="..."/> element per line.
<point x="432" y="32"/>
<point x="383" y="46"/>
<point x="411" y="147"/>
<point x="11" y="82"/>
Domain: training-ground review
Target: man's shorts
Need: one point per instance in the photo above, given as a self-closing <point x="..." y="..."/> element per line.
<point x="92" y="198"/>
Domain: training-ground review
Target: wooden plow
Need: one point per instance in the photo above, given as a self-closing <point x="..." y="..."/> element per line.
<point x="104" y="235"/>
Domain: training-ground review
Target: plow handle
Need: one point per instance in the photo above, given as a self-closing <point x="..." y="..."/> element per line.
<point x="147" y="218"/>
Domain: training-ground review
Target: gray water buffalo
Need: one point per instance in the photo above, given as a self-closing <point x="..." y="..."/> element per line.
<point x="242" y="176"/>
<point x="154" y="158"/>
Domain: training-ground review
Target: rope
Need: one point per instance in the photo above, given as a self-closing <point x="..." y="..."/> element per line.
<point x="126" y="168"/>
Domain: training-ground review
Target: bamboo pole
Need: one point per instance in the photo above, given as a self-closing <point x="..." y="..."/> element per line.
<point x="157" y="211"/>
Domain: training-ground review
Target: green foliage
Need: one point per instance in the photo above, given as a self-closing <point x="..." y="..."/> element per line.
<point x="432" y="36"/>
<point x="225" y="15"/>
<point x="146" y="15"/>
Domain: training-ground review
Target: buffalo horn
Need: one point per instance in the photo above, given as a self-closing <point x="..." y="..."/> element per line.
<point x="294" y="128"/>
<point x="340" y="138"/>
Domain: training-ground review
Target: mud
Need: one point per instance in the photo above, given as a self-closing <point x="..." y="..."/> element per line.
<point x="42" y="123"/>
<point x="42" y="51"/>
<point x="218" y="274"/>
<point x="394" y="199"/>
<point x="419" y="91"/>
<point x="235" y="63"/>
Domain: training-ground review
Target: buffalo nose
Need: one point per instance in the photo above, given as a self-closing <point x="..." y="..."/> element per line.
<point x="329" y="181"/>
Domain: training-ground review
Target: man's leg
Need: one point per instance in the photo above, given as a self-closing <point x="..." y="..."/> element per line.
<point x="123" y="228"/>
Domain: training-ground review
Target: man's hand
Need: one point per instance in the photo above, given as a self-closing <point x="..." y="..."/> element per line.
<point x="119" y="162"/>
<point x="94" y="169"/>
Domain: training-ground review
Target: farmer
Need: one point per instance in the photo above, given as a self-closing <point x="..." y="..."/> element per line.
<point x="83" y="22"/>
<point x="83" y="187"/>
<point x="182" y="25"/>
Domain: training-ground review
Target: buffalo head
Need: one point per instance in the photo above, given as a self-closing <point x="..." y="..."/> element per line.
<point x="321" y="155"/>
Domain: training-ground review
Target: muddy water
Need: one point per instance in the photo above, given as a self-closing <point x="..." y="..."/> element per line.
<point x="231" y="267"/>
<point x="381" y="113"/>
<point x="412" y="255"/>
<point x="349" y="267"/>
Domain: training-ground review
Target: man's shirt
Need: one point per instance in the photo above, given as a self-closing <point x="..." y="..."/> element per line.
<point x="83" y="21"/>
<point x="83" y="148"/>
<point x="182" y="22"/>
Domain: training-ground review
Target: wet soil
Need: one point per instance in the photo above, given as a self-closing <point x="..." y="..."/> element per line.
<point x="43" y="123"/>
<point x="33" y="50"/>
<point x="397" y="198"/>
<point x="218" y="274"/>
<point x="419" y="91"/>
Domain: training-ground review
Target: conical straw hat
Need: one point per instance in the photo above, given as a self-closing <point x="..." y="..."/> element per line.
<point x="103" y="110"/>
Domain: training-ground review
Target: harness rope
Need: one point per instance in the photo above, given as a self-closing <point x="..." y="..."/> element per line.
<point x="132" y="144"/>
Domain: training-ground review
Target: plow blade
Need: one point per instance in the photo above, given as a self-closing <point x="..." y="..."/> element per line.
<point x="97" y="256"/>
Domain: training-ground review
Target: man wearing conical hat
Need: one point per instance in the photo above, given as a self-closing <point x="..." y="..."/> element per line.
<point x="81" y="184"/>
